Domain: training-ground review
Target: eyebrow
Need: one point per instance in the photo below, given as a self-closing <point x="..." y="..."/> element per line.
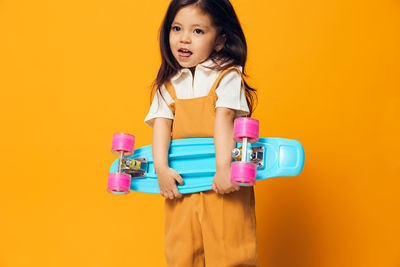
<point x="200" y="25"/>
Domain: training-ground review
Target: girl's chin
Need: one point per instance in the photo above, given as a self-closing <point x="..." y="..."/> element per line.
<point x="187" y="65"/>
<point x="187" y="62"/>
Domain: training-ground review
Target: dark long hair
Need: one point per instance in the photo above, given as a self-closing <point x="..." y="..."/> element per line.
<point x="234" y="52"/>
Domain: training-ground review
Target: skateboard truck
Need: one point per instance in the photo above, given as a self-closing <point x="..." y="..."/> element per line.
<point x="134" y="167"/>
<point x="256" y="155"/>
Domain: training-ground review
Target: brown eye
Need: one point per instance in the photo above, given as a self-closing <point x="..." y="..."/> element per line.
<point x="198" y="31"/>
<point x="176" y="28"/>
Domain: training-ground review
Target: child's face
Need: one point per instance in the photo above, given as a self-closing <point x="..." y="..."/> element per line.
<point x="193" y="37"/>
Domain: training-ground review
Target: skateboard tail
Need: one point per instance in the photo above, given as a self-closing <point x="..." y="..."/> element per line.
<point x="283" y="157"/>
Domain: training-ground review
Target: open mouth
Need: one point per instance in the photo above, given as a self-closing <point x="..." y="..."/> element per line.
<point x="184" y="52"/>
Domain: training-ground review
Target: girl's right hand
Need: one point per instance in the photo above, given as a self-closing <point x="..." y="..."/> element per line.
<point x="167" y="178"/>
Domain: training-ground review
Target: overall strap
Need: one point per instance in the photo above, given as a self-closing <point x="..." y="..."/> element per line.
<point x="170" y="89"/>
<point x="222" y="74"/>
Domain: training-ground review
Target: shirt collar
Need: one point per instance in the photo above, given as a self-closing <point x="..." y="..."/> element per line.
<point x="205" y="66"/>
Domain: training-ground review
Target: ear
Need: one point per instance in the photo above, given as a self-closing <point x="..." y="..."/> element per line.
<point x="220" y="42"/>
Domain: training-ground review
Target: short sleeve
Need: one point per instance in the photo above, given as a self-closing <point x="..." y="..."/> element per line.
<point x="160" y="107"/>
<point x="230" y="94"/>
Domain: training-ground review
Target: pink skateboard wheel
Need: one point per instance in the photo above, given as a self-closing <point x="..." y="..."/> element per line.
<point x="245" y="128"/>
<point x="119" y="183"/>
<point x="243" y="173"/>
<point x="123" y="142"/>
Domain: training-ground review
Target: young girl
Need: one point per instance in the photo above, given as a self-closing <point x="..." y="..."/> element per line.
<point x="199" y="94"/>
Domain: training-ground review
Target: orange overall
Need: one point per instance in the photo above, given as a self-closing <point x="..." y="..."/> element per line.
<point x="205" y="228"/>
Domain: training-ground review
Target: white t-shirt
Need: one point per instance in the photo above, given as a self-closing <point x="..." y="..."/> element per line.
<point x="229" y="91"/>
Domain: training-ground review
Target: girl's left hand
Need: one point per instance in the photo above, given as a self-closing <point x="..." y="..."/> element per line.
<point x="222" y="181"/>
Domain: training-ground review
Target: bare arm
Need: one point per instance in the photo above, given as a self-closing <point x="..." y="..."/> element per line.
<point x="161" y="141"/>
<point x="223" y="136"/>
<point x="166" y="176"/>
<point x="224" y="143"/>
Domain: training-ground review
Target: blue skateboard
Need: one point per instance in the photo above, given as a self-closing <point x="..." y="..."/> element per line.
<point x="194" y="160"/>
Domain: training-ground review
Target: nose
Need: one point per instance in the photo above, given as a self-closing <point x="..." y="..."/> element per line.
<point x="185" y="38"/>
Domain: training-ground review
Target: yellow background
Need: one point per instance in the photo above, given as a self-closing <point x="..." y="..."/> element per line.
<point x="74" y="72"/>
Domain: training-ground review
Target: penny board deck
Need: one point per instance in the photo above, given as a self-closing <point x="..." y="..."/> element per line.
<point x="194" y="160"/>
